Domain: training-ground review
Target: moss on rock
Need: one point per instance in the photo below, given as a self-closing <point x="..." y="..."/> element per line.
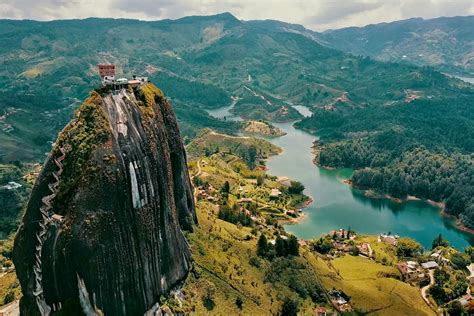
<point x="81" y="137"/>
<point x="150" y="95"/>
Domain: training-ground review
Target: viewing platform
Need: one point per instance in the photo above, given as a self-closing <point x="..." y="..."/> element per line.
<point x="107" y="76"/>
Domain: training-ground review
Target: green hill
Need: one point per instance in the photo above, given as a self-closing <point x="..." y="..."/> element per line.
<point x="200" y="62"/>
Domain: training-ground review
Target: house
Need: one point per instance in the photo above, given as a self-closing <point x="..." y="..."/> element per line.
<point x="435" y="255"/>
<point x="341" y="233"/>
<point x="389" y="239"/>
<point x="11" y="186"/>
<point x="106" y="70"/>
<point x="12" y="309"/>
<point x="471" y="273"/>
<point x="403" y="268"/>
<point x="342" y="247"/>
<point x="134" y="83"/>
<point x="410" y="270"/>
<point x="339" y="298"/>
<point x="429" y="265"/>
<point x="320" y="311"/>
<point x="58" y="218"/>
<point x="364" y="249"/>
<point x="465" y="300"/>
<point x="275" y="193"/>
<point x="302" y="243"/>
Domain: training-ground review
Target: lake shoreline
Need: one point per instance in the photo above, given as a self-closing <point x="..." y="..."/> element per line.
<point x="440" y="205"/>
<point x="339" y="206"/>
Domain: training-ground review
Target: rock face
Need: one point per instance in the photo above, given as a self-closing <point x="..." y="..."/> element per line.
<point x="102" y="232"/>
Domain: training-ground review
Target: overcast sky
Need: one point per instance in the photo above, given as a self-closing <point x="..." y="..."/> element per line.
<point x="314" y="14"/>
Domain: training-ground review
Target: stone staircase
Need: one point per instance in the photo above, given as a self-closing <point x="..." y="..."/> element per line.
<point x="46" y="218"/>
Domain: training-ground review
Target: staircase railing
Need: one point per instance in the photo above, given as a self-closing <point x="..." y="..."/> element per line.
<point x="46" y="216"/>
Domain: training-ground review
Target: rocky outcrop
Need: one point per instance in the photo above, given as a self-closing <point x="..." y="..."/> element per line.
<point x="102" y="232"/>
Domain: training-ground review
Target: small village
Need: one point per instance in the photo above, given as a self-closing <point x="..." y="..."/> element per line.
<point x="406" y="260"/>
<point x="420" y="269"/>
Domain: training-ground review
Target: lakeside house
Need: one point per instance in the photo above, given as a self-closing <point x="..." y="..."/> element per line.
<point x="389" y="239"/>
<point x="275" y="193"/>
<point x="364" y="249"/>
<point x="429" y="265"/>
<point x="471" y="273"/>
<point x="342" y="234"/>
<point x="320" y="311"/>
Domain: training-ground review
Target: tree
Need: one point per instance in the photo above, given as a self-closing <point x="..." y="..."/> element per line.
<point x="354" y="251"/>
<point x="262" y="246"/>
<point x="323" y="245"/>
<point x="460" y="261"/>
<point x="226" y="187"/>
<point x="439" y="242"/>
<point x="296" y="187"/>
<point x="208" y="295"/>
<point x="293" y="246"/>
<point x="455" y="309"/>
<point x="470" y="252"/>
<point x="407" y="247"/>
<point x="239" y="302"/>
<point x="197" y="181"/>
<point x="252" y="155"/>
<point x="9" y="297"/>
<point x="280" y="247"/>
<point x="260" y="180"/>
<point x="289" y="308"/>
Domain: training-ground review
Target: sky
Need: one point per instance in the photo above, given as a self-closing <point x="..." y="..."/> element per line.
<point x="317" y="15"/>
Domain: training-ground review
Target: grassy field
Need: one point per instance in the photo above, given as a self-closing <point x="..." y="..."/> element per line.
<point x="370" y="290"/>
<point x="210" y="142"/>
<point x="9" y="283"/>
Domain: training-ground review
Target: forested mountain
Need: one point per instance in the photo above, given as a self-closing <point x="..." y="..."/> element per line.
<point x="446" y="43"/>
<point x="369" y="113"/>
<point x="423" y="148"/>
<point x="200" y="62"/>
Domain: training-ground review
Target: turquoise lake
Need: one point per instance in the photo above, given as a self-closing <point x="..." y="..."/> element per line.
<point x="337" y="205"/>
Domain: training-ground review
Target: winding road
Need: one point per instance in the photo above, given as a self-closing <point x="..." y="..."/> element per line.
<point x="425" y="289"/>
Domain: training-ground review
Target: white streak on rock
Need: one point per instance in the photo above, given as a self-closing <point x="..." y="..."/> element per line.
<point x="86" y="304"/>
<point x="134" y="187"/>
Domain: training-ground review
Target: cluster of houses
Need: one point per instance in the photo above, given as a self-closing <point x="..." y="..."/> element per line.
<point x="414" y="272"/>
<point x="205" y="193"/>
<point x="411" y="271"/>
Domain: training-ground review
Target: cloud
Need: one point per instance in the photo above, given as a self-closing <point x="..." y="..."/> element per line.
<point x="315" y="14"/>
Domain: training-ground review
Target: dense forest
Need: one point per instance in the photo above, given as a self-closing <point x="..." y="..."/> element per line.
<point x="422" y="148"/>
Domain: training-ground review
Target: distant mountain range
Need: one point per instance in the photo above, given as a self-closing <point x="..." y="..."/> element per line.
<point x="446" y="44"/>
<point x="200" y="62"/>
